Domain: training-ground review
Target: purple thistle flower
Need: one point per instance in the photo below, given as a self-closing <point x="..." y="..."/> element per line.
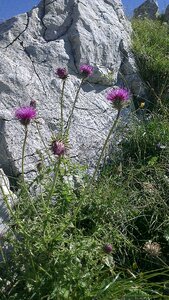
<point x="58" y="148"/>
<point x="86" y="70"/>
<point x="118" y="97"/>
<point x="108" y="248"/>
<point x="62" y="73"/>
<point x="25" y="114"/>
<point x="118" y="94"/>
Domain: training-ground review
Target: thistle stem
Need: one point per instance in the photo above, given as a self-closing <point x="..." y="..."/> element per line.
<point x="105" y="145"/>
<point x="61" y="106"/>
<point x="43" y="142"/>
<point x="73" y="107"/>
<point x="23" y="150"/>
<point x="56" y="170"/>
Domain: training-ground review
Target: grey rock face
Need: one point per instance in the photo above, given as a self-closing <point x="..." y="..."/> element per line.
<point x="149" y="9"/>
<point x="166" y="15"/>
<point x="62" y="33"/>
<point x="7" y="201"/>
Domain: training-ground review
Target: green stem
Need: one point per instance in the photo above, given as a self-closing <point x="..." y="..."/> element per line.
<point x="104" y="146"/>
<point x="61" y="106"/>
<point x="43" y="142"/>
<point x="23" y="151"/>
<point x="73" y="107"/>
<point x="56" y="169"/>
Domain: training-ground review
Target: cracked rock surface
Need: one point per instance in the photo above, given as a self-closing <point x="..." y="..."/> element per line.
<point x="62" y="33"/>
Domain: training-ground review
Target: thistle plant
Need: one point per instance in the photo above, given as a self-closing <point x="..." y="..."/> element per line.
<point x="86" y="71"/>
<point x="118" y="98"/>
<point x="107" y="248"/>
<point x="110" y="241"/>
<point x="62" y="73"/>
<point x="84" y="237"/>
<point x="58" y="148"/>
<point x="25" y="115"/>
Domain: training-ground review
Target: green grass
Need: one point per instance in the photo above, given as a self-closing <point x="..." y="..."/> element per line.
<point x="151" y="49"/>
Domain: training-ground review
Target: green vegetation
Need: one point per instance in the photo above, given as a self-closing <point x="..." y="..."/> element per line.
<point x="109" y="240"/>
<point x="151" y="48"/>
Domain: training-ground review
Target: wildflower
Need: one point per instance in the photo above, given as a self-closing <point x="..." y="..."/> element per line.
<point x="142" y="104"/>
<point x="108" y="248"/>
<point x="152" y="248"/>
<point x="118" y="97"/>
<point x="62" y="73"/>
<point x="33" y="103"/>
<point x="58" y="148"/>
<point x="25" y="114"/>
<point x="86" y="70"/>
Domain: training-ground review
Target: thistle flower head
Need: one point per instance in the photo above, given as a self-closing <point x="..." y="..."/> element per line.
<point x="108" y="248"/>
<point x="58" y="148"/>
<point x="62" y="73"/>
<point x="86" y="70"/>
<point x="25" y="114"/>
<point x="152" y="248"/>
<point x="118" y="97"/>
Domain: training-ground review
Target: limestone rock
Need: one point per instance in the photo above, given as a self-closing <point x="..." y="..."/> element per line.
<point x="166" y="15"/>
<point x="62" y="33"/>
<point x="7" y="201"/>
<point x="149" y="9"/>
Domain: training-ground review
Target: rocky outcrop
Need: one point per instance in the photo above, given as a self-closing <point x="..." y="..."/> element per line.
<point x="166" y="15"/>
<point x="149" y="9"/>
<point x="7" y="201"/>
<point x="62" y="33"/>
